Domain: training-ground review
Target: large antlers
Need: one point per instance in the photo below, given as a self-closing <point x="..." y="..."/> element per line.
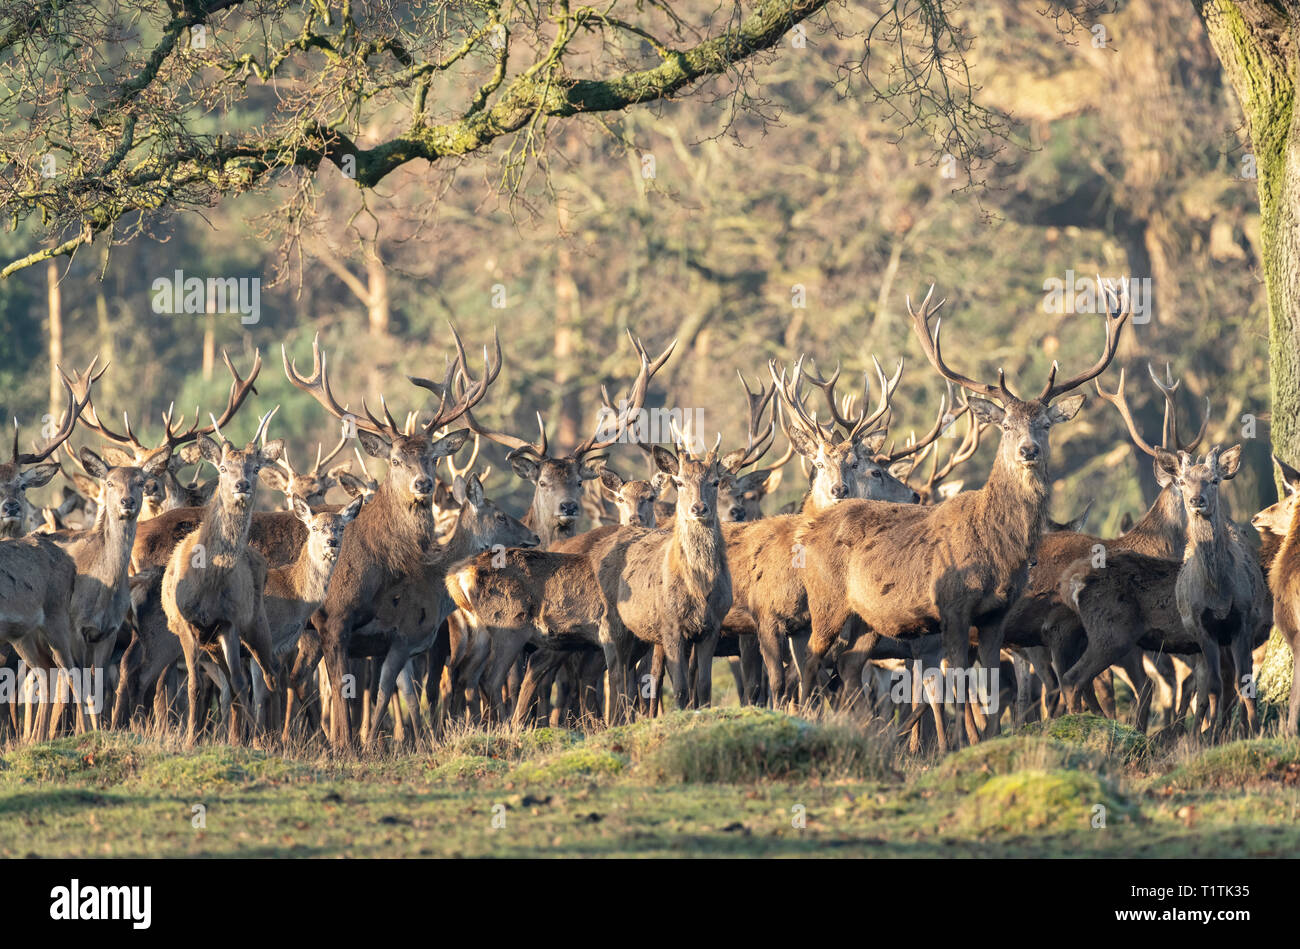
<point x="1117" y="313"/>
<point x="76" y="403"/>
<point x="1169" y="441"/>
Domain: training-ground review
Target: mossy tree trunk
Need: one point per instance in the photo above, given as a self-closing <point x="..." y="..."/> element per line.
<point x="1256" y="42"/>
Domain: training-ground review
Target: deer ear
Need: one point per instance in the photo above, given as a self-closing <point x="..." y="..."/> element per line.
<point x="155" y="466"/>
<point x="1230" y="462"/>
<point x="950" y="489"/>
<point x="611" y="480"/>
<point x="658" y="481"/>
<point x="209" y="450"/>
<point x="88" y="487"/>
<point x="301" y="510"/>
<point x="474" y="491"/>
<point x="1167" y="467"/>
<point x="38" y="475"/>
<point x="525" y="466"/>
<point x="450" y="443"/>
<point x="271" y="451"/>
<point x="374" y="445"/>
<point x="869" y="445"/>
<point x="732" y="459"/>
<point x="190" y="454"/>
<point x="458" y="490"/>
<point x="351" y="484"/>
<point x="93" y="464"/>
<point x="803" y="442"/>
<point x="666" y="461"/>
<point x="274" y="479"/>
<point x="987" y="412"/>
<point x="349" y="513"/>
<point x="1066" y="409"/>
<point x="1290" y="477"/>
<point x="203" y="492"/>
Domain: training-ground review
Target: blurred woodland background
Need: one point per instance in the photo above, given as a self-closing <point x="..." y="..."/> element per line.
<point x="1121" y="159"/>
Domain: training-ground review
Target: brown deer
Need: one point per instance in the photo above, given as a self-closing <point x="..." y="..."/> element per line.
<point x="1280" y="525"/>
<point x="1201" y="604"/>
<point x="212" y="586"/>
<point x="295" y="591"/>
<point x="908" y="570"/>
<point x="393" y="533"/>
<point x="167" y="493"/>
<point x="1041" y="618"/>
<point x="26" y="470"/>
<point x="310" y="485"/>
<point x="670" y="589"/>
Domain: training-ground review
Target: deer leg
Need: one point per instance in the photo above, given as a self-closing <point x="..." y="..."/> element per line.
<point x="1142" y="686"/>
<point x="1243" y="666"/>
<point x="398" y="654"/>
<point x="411" y="698"/>
<point x="1104" y="688"/>
<point x="540" y="666"/>
<point x="703" y="652"/>
<point x="190" y="650"/>
<point x="771" y="646"/>
<point x="827" y="621"/>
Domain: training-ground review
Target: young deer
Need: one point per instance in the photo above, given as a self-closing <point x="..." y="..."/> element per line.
<point x="26" y="470"/>
<point x="670" y="589"/>
<point x="908" y="571"/>
<point x="295" y="591"/>
<point x="1201" y="604"/>
<point x="310" y="485"/>
<point x="213" y="585"/>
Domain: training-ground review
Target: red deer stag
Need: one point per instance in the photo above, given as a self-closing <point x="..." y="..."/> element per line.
<point x="392" y="534"/>
<point x="907" y="570"/>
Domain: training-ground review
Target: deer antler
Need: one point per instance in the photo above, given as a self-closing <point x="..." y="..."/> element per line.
<point x="1120" y="400"/>
<point x="856" y="427"/>
<point x="757" y="440"/>
<point x="933" y="352"/>
<point x="1170" y="437"/>
<point x="632" y="405"/>
<point x="941" y="422"/>
<point x="471" y="390"/>
<point x="68" y="421"/>
<point x="1117" y="312"/>
<point x="464" y="470"/>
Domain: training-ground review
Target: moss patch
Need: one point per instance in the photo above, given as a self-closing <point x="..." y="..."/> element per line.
<point x="1092" y="731"/>
<point x="567" y="767"/>
<point x="969" y="769"/>
<point x="1041" y="800"/>
<point x="1258" y="761"/>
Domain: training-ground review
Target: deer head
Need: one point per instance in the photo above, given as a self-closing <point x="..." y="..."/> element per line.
<point x="1276" y="518"/>
<point x="165" y="492"/>
<point x="1024" y="451"/>
<point x="120" y="490"/>
<point x="557" y="496"/>
<point x="696" y="481"/>
<point x="483" y="523"/>
<point x="312" y="484"/>
<point x="635" y="499"/>
<point x="412" y="450"/>
<point x="26" y="470"/>
<point x="1199" y="482"/>
<point x="237" y="469"/>
<point x="324" y="530"/>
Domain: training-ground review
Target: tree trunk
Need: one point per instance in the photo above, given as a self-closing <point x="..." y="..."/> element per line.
<point x="376" y="298"/>
<point x="568" y="317"/>
<point x="1255" y="43"/>
<point x="56" y="338"/>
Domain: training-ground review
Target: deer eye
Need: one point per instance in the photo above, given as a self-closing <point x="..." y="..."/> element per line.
<point x="875" y="472"/>
<point x="501" y="517"/>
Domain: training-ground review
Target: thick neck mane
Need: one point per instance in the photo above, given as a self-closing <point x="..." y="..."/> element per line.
<point x="694" y="555"/>
<point x="1011" y="509"/>
<point x="1208" y="542"/>
<point x="393" y="530"/>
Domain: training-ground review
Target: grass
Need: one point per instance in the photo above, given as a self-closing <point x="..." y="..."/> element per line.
<point x="722" y="782"/>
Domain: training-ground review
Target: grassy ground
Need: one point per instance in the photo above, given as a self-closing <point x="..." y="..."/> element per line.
<point x="717" y="783"/>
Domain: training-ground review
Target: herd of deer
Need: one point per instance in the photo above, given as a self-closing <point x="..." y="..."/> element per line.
<point x="422" y="595"/>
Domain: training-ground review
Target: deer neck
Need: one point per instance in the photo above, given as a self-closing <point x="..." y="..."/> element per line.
<point x="1162" y="531"/>
<point x="696" y="554"/>
<point x="1013" y="505"/>
<point x="463" y="541"/>
<point x="396" y="533"/>
<point x="112" y="539"/>
<point x="224" y="531"/>
<point x="310" y="577"/>
<point x="1207" y="546"/>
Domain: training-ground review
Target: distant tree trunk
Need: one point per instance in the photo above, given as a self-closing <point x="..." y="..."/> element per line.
<point x="568" y="318"/>
<point x="376" y="298"/>
<point x="1256" y="43"/>
<point x="56" y="338"/>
